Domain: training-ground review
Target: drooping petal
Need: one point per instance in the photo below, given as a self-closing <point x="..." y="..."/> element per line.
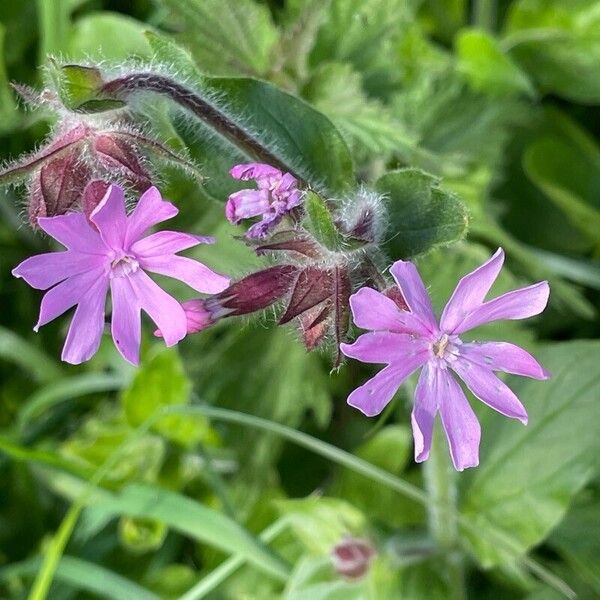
<point x="518" y="304"/>
<point x="126" y="326"/>
<point x="471" y="291"/>
<point x="427" y="398"/>
<point x="191" y="272"/>
<point x="67" y="294"/>
<point x="489" y="389"/>
<point x="45" y="270"/>
<point x="110" y="218"/>
<point x="163" y="309"/>
<point x="460" y="423"/>
<point x="373" y="310"/>
<point x="87" y="325"/>
<point x="260" y="230"/>
<point x="150" y="210"/>
<point x="168" y="242"/>
<point x="286" y="184"/>
<point x="254" y="171"/>
<point x="245" y="204"/>
<point x="413" y="289"/>
<point x="383" y="347"/>
<point x="74" y="232"/>
<point x="502" y="356"/>
<point x="373" y="396"/>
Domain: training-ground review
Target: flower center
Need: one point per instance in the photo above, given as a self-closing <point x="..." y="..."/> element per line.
<point x="123" y="266"/>
<point x="440" y="346"/>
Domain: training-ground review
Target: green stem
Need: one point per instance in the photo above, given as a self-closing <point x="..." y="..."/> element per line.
<point x="440" y="482"/>
<point x="484" y="14"/>
<point x="228" y="567"/>
<point x="53" y="19"/>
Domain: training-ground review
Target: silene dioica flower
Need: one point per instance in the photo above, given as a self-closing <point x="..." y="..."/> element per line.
<point x="276" y="196"/>
<point x="110" y="251"/>
<point x="406" y="340"/>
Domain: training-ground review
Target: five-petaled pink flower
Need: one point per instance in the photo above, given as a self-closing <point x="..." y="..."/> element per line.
<point x="276" y="196"/>
<point x="407" y="340"/>
<point x="112" y="252"/>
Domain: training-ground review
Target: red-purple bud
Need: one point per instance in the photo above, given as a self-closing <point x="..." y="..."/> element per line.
<point x="254" y="292"/>
<point x="57" y="187"/>
<point x="394" y="293"/>
<point x="352" y="557"/>
<point x="114" y="152"/>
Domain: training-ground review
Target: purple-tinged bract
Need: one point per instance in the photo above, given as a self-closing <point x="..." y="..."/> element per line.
<point x="276" y="196"/>
<point x="113" y="252"/>
<point x="408" y="340"/>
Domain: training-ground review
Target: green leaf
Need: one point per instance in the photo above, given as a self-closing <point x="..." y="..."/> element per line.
<point x="487" y="68"/>
<point x="336" y="90"/>
<point x="85" y="576"/>
<point x="577" y="540"/>
<point x="558" y="44"/>
<point x="389" y="449"/>
<point x="19" y="351"/>
<point x="226" y="37"/>
<point x="566" y="167"/>
<point x="421" y="214"/>
<point x="192" y="519"/>
<point x="529" y="474"/>
<point x="161" y="382"/>
<point x="320" y="221"/>
<point x="320" y="523"/>
<point x="107" y="35"/>
<point x="68" y="388"/>
<point x="258" y="121"/>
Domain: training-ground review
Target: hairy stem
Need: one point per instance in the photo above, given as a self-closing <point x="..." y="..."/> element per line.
<point x="440" y="481"/>
<point x="485" y="14"/>
<point x="198" y="106"/>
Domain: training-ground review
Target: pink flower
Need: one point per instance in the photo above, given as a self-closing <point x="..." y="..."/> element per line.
<point x="407" y="340"/>
<point x="113" y="252"/>
<point x="276" y="196"/>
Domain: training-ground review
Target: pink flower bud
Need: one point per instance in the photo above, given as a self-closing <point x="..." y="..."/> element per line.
<point x="352" y="557"/>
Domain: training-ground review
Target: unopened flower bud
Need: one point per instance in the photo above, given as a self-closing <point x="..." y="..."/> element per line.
<point x="115" y="152"/>
<point x="197" y="314"/>
<point x="57" y="187"/>
<point x="352" y="557"/>
<point x="362" y="216"/>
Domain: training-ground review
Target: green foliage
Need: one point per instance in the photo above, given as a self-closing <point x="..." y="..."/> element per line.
<point x="522" y="500"/>
<point x="420" y="213"/>
<point x="558" y="44"/>
<point x="320" y="222"/>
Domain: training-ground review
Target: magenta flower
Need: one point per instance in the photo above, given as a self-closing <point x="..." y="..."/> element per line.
<point x="276" y="196"/>
<point x="407" y="340"/>
<point x="112" y="252"/>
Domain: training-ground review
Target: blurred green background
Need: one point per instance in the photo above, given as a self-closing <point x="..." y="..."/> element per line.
<point x="500" y="99"/>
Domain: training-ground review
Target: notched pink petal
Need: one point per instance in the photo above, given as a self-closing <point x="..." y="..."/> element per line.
<point x="74" y="232"/>
<point x="459" y="421"/>
<point x="374" y="395"/>
<point x="373" y="310"/>
<point x="471" y="291"/>
<point x="87" y="325"/>
<point x="149" y="211"/>
<point x="383" y="347"/>
<point x="518" y="304"/>
<point x="413" y="290"/>
<point x="191" y="272"/>
<point x="45" y="270"/>
<point x="246" y="204"/>
<point x="168" y="242"/>
<point x="254" y="171"/>
<point x="110" y="218"/>
<point x="503" y="356"/>
<point x="490" y="390"/>
<point x="126" y="326"/>
<point x="427" y="397"/>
